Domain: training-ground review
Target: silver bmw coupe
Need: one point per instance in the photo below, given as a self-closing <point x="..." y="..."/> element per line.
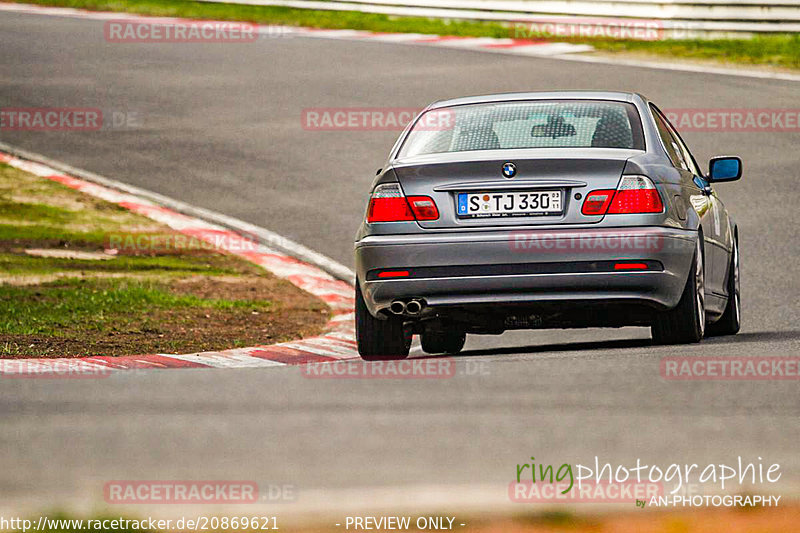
<point x="544" y="210"/>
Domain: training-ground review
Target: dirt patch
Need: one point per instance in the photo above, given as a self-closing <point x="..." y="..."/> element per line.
<point x="68" y="254"/>
<point x="39" y="279"/>
<point x="166" y="294"/>
<point x="293" y="314"/>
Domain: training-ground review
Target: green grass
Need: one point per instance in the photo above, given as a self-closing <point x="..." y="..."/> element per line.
<point x="35" y="212"/>
<point x="43" y="232"/>
<point x="79" y="222"/>
<point x="163" y="266"/>
<point x="161" y="297"/>
<point x="93" y="295"/>
<point x="782" y="50"/>
<point x="779" y="50"/>
<point x="286" y="16"/>
<point x="31" y="205"/>
<point x="99" y="305"/>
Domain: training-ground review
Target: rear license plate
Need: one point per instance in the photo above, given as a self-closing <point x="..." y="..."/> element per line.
<point x="509" y="204"/>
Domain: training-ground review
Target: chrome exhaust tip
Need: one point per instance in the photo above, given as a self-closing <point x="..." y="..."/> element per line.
<point x="414" y="307"/>
<point x="397" y="307"/>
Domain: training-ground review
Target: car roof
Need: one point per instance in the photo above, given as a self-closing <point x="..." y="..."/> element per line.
<point x="551" y="95"/>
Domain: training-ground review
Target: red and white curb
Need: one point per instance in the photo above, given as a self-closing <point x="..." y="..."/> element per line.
<point x="522" y="47"/>
<point x="525" y="47"/>
<point x="336" y="343"/>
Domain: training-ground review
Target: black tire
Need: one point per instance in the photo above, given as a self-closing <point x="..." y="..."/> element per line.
<point x="685" y="323"/>
<point x="449" y="342"/>
<point x="379" y="340"/>
<point x="731" y="320"/>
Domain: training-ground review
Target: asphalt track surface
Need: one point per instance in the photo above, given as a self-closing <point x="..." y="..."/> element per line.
<point x="220" y="127"/>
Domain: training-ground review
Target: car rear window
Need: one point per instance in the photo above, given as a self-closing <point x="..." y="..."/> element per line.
<point x="528" y="124"/>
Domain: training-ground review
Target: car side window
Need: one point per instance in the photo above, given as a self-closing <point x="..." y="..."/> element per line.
<point x="670" y="142"/>
<point x="688" y="158"/>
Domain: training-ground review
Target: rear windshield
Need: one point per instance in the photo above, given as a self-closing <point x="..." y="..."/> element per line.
<point x="531" y="124"/>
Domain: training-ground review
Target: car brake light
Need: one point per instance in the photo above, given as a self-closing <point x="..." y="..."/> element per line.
<point x="389" y="204"/>
<point x="635" y="194"/>
<point x="393" y="274"/>
<point x="597" y="202"/>
<point x="630" y="266"/>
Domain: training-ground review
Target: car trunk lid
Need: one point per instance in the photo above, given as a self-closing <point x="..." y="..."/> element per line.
<point x="453" y="178"/>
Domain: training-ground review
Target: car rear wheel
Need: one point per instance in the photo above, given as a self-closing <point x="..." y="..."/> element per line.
<point x="686" y="322"/>
<point x="731" y="320"/>
<point x="380" y="340"/>
<point x="450" y="342"/>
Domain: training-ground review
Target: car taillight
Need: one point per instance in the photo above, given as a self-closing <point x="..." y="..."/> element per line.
<point x="389" y="204"/>
<point x="597" y="202"/>
<point x="635" y="194"/>
<point x="424" y="207"/>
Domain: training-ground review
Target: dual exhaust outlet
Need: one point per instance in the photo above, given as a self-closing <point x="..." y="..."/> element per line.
<point x="410" y="308"/>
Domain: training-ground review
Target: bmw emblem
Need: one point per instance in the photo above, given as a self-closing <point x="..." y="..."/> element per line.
<point x="509" y="170"/>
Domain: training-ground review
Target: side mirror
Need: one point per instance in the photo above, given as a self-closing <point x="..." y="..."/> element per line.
<point x="724" y="168"/>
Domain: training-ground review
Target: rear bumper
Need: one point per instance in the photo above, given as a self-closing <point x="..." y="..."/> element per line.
<point x="516" y="267"/>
